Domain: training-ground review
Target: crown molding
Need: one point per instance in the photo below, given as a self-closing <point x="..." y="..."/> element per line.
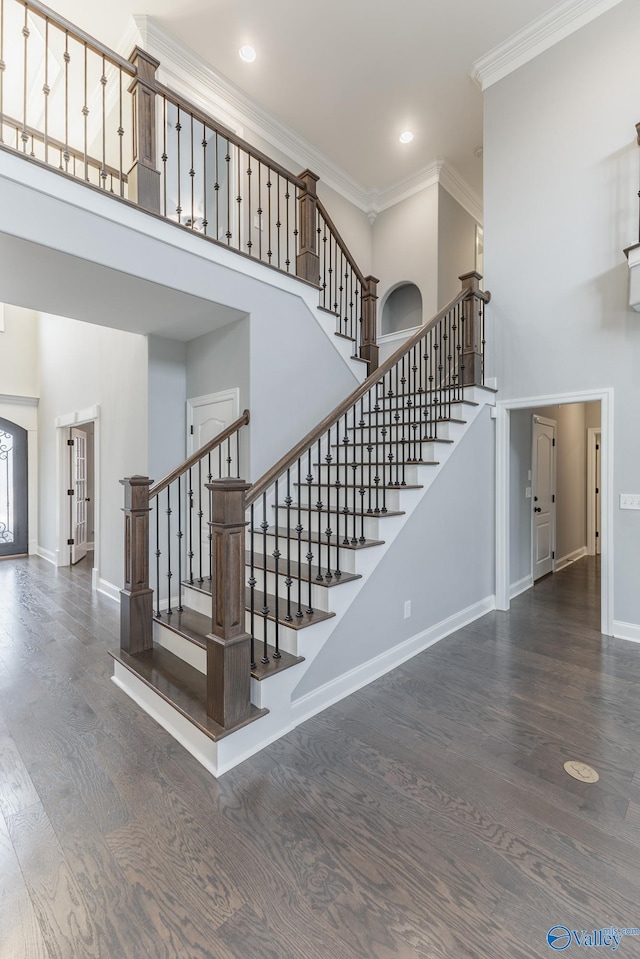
<point x="440" y="171"/>
<point x="197" y="79"/>
<point x="539" y="35"/>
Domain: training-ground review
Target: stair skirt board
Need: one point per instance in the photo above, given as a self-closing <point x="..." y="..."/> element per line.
<point x="276" y="692"/>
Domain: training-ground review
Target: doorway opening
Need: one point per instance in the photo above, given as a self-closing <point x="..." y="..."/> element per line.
<point x="14" y="519"/>
<point x="548" y="510"/>
<point x="78" y="484"/>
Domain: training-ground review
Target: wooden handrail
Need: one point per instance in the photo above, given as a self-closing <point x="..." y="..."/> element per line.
<point x="179" y="101"/>
<point x="262" y="485"/>
<point x="193" y="459"/>
<point x="343" y="246"/>
<point x="103" y="51"/>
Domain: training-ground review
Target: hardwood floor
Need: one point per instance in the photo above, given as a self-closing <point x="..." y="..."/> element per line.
<point x="427" y="816"/>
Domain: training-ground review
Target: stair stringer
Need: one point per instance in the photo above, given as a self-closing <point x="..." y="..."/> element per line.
<point x="284" y="695"/>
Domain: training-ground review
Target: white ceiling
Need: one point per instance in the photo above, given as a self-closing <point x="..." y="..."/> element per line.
<point x="348" y="75"/>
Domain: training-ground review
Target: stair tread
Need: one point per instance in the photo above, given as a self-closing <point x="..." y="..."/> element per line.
<point x="315" y="538"/>
<point x="390" y="442"/>
<point x="181" y="685"/>
<point x="258" y="563"/>
<point x="393" y="462"/>
<point x="349" y="486"/>
<point x="298" y="622"/>
<point x="196" y="626"/>
<point x="342" y="512"/>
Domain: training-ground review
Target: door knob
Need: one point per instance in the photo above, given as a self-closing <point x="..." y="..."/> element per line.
<point x="535" y="499"/>
<point x="537" y="509"/>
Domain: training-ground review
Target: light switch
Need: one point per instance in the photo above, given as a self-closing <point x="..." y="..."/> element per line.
<point x="629" y="500"/>
<point x="527" y="492"/>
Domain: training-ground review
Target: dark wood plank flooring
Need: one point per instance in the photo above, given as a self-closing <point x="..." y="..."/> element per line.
<point x="427" y="816"/>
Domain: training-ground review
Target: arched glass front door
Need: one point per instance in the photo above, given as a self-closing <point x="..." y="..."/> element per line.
<point x="13" y="489"/>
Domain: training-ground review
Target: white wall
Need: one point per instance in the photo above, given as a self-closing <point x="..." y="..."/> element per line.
<point x="219" y="361"/>
<point x="456" y="246"/>
<point x="560" y="202"/>
<point x="18" y="349"/>
<point x="167" y="405"/>
<point x="443" y="561"/>
<point x="81" y="366"/>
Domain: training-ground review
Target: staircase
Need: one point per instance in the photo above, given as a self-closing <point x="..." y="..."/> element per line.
<point x="307" y="535"/>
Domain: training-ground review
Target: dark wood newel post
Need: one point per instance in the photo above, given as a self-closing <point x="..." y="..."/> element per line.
<point x="143" y="177"/>
<point x="369" y="347"/>
<point x="228" y="644"/>
<point x="136" y="599"/>
<point x="472" y="353"/>
<point x="308" y="260"/>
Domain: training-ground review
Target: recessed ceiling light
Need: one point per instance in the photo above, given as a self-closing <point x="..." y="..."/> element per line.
<point x="406" y="137"/>
<point x="247" y="53"/>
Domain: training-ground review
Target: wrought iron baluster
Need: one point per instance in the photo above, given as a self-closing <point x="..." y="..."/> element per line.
<point x="309" y="525"/>
<point x="169" y="573"/>
<point x="200" y="515"/>
<point x="103" y="81"/>
<point x="209" y="505"/>
<point x="120" y="132"/>
<point x="249" y="209"/>
<point x="180" y="534"/>
<point x="299" y="530"/>
<point x="164" y="156"/>
<point x="205" y="212"/>
<point x="190" y="508"/>
<point x="2" y="69"/>
<point x="192" y="173"/>
<point x="265" y="597"/>
<point x="328" y="530"/>
<point x="238" y="245"/>
<point x="227" y="160"/>
<point x="259" y="210"/>
<point x="158" y="554"/>
<point x="179" y="151"/>
<point x="252" y="586"/>
<point x="85" y="114"/>
<point x="25" y="81"/>
<point x="288" y="581"/>
<point x="276" y="558"/>
<point x="287" y="196"/>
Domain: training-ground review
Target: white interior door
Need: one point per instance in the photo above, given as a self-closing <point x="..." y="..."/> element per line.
<point x="543" y="471"/>
<point x="206" y="417"/>
<point x="79" y="497"/>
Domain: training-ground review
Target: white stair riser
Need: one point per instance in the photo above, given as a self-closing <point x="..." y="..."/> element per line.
<point x="200" y="602"/>
<point x="431" y="452"/>
<point x="182" y="648"/>
<point x="344" y="496"/>
<point x="319" y="598"/>
<point x="319" y="522"/>
<point x="345" y="474"/>
<point x="347" y="558"/>
<point x="287" y="637"/>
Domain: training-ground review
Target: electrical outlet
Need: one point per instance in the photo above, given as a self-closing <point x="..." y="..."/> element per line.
<point x="629" y="500"/>
<point x="407" y="609"/>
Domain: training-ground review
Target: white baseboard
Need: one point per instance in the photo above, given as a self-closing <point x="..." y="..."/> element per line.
<point x="48" y="554"/>
<point x="332" y="692"/>
<point x="105" y="587"/>
<point x="570" y="558"/>
<point x="521" y="586"/>
<point x="630" y="631"/>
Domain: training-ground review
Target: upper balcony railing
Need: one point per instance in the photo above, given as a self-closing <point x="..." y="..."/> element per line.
<point x="70" y="102"/>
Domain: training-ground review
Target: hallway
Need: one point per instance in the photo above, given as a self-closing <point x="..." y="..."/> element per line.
<point x="428" y="815"/>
